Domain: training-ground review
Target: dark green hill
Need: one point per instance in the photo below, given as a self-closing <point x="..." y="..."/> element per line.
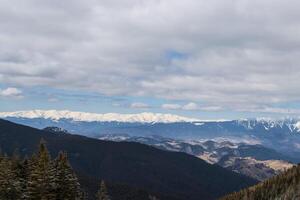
<point x="133" y="164"/>
<point x="285" y="186"/>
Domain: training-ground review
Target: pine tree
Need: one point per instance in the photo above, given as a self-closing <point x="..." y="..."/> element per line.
<point x="38" y="178"/>
<point x="66" y="182"/>
<point x="284" y="186"/>
<point x="23" y="175"/>
<point x="102" y="193"/>
<point x="9" y="183"/>
<point x="41" y="184"/>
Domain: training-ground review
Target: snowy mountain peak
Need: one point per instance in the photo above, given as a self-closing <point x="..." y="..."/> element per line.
<point x="89" y="117"/>
<point x="293" y="124"/>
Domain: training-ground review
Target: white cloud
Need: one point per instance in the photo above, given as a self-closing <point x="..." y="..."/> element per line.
<point x="139" y="105"/>
<point x="171" y="106"/>
<point x="247" y="58"/>
<point x="273" y="110"/>
<point x="53" y="100"/>
<point x="212" y="108"/>
<point x="191" y="106"/>
<point x="11" y="92"/>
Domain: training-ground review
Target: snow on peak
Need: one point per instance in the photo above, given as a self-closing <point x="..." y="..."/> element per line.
<point x="293" y="124"/>
<point x="297" y="126"/>
<point x="108" y="117"/>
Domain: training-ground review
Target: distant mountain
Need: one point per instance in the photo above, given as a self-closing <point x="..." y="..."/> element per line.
<point x="255" y="161"/>
<point x="178" y="175"/>
<point x="281" y="135"/>
<point x="54" y="129"/>
<point x="281" y="187"/>
<point x="93" y="117"/>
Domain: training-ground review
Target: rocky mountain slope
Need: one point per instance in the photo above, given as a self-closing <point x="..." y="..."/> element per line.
<point x="252" y="160"/>
<point x="284" y="186"/>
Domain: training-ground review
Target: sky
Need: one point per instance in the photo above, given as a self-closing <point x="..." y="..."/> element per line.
<point x="206" y="59"/>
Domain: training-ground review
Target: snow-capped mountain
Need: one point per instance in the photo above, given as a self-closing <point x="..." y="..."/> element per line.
<point x="93" y="117"/>
<point x="146" y="117"/>
<point x="282" y="135"/>
<point x="292" y="124"/>
<point x="255" y="161"/>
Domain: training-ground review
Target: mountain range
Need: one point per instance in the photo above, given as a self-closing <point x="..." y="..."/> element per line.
<point x="282" y="135"/>
<point x="93" y="117"/>
<point x="163" y="173"/>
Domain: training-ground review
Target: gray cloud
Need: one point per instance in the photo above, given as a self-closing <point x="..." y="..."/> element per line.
<point x="238" y="54"/>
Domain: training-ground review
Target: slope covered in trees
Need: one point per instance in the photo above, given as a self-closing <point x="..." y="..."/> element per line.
<point x="177" y="175"/>
<point x="38" y="177"/>
<point x="285" y="186"/>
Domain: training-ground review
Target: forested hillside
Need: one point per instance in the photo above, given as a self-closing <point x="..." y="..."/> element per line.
<point x="38" y="177"/>
<point x="285" y="186"/>
<point x="137" y="166"/>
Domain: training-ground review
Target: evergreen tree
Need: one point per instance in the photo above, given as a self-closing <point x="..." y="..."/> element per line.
<point x="38" y="178"/>
<point x="23" y="175"/>
<point x="102" y="193"/>
<point x="66" y="182"/>
<point x="9" y="183"/>
<point x="285" y="186"/>
<point x="41" y="183"/>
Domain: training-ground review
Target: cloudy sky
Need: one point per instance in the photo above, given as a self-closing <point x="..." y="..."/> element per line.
<point x="206" y="59"/>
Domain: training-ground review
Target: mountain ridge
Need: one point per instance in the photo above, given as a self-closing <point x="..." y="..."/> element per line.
<point x="163" y="172"/>
<point x="282" y="134"/>
<point x="284" y="186"/>
<point x="145" y="117"/>
<point x="254" y="161"/>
